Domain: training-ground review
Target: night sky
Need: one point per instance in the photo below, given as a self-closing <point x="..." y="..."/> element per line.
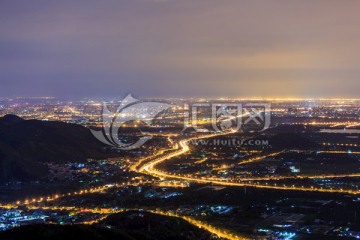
<point x="180" y="48"/>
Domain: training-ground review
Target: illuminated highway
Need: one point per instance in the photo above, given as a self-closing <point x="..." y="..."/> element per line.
<point x="54" y="197"/>
<point x="148" y="165"/>
<point x="149" y="168"/>
<point x="259" y="158"/>
<point x="104" y="212"/>
<point x="218" y="232"/>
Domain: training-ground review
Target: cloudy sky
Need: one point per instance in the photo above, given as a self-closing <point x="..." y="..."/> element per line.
<point x="180" y="48"/>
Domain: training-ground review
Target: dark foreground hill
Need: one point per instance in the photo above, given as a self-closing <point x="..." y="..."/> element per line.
<point x="125" y="226"/>
<point x="25" y="145"/>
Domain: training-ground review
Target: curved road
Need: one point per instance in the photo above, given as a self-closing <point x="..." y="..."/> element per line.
<point x="150" y="169"/>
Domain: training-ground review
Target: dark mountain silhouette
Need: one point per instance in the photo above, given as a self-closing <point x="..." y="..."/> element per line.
<point x="126" y="226"/>
<point x="25" y="145"/>
<point x="9" y="119"/>
<point x="153" y="226"/>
